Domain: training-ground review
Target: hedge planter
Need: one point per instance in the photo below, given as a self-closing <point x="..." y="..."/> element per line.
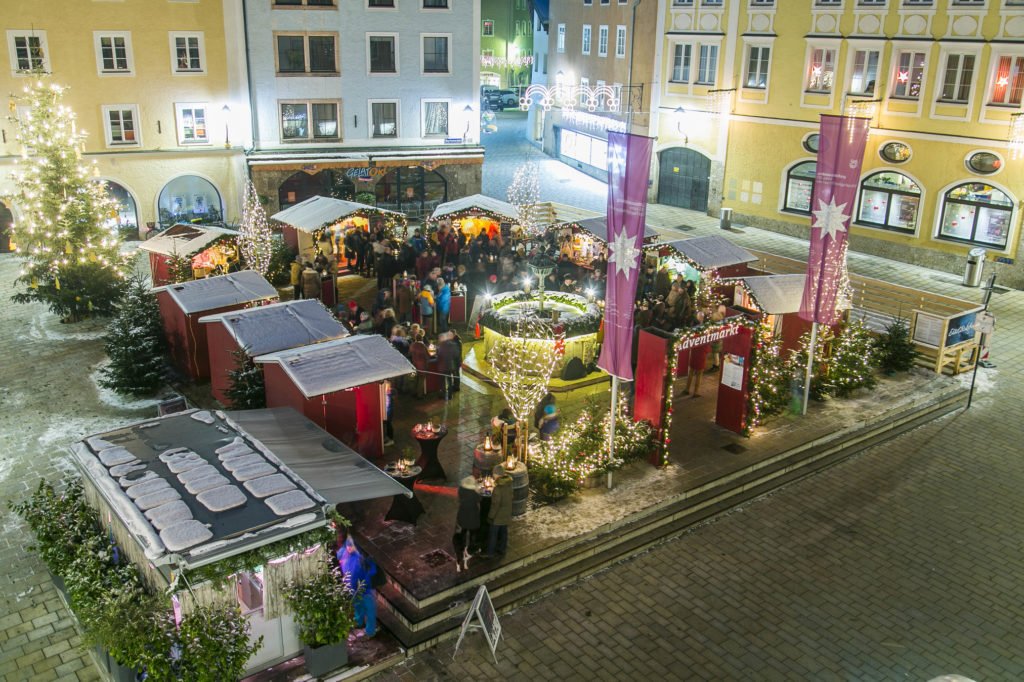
<point x="58" y="582"/>
<point x="324" y="659"/>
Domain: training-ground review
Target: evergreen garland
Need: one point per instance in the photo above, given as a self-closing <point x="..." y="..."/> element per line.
<point x="246" y="388"/>
<point x="135" y="343"/>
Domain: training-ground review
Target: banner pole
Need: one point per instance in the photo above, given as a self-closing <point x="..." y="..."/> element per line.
<point x="810" y="366"/>
<point x="989" y="286"/>
<point x="611" y="430"/>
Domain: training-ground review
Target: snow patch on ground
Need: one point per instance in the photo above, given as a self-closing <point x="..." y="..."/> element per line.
<point x="109" y="397"/>
<point x="47" y="326"/>
<point x="985" y="383"/>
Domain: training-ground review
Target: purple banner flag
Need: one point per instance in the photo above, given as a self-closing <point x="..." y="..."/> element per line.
<point x="629" y="168"/>
<point x="840" y="154"/>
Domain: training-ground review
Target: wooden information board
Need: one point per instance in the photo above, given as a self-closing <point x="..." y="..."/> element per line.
<point x="483" y="609"/>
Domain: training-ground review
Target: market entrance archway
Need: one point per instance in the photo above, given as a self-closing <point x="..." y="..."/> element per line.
<point x="190" y="199"/>
<point x="683" y="178"/>
<point x="327" y="183"/>
<point x="415" y="192"/>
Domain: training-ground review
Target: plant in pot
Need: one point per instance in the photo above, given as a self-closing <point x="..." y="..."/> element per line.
<point x="322" y="607"/>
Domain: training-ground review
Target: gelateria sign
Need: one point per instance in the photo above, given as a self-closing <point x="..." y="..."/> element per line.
<point x="706" y="336"/>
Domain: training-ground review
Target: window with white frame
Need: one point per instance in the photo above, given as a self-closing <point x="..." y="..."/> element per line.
<point x="113" y="52"/>
<point x="707" y="68"/>
<point x="957" y="78"/>
<point x="382" y="53"/>
<point x="871" y="3"/>
<point x="488" y="27"/>
<point x="28" y="50"/>
<point x="584" y="87"/>
<point x="436" y="55"/>
<point x="586" y="39"/>
<point x="865" y="72"/>
<point x="560" y="44"/>
<point x="188" y="53"/>
<point x="192" y="124"/>
<point x="682" y="55"/>
<point x="588" y="2"/>
<point x="889" y="200"/>
<point x="821" y="69"/>
<point x="828" y="3"/>
<point x="121" y="125"/>
<point x="620" y="41"/>
<point x="602" y="41"/>
<point x="1007" y="80"/>
<point x="384" y="118"/>
<point x="435" y="4"/>
<point x="758" y="60"/>
<point x="435" y="117"/>
<point x="303" y="3"/>
<point x="909" y="77"/>
<point x="310" y="120"/>
<point x="976" y="213"/>
<point x="377" y="4"/>
<point x="762" y="3"/>
<point x="307" y="53"/>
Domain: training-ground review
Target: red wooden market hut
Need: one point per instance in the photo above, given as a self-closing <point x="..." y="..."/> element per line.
<point x="704" y="254"/>
<point x="474" y="214"/>
<point x="206" y="246"/>
<point x="263" y="330"/>
<point x="588" y="238"/>
<point x="181" y="306"/>
<point x="337" y="384"/>
<point x="321" y="223"/>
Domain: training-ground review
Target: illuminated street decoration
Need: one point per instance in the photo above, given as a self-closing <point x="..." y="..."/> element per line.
<point x="603" y="97"/>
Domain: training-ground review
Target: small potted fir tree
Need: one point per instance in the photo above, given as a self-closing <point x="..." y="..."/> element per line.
<point x="322" y="607"/>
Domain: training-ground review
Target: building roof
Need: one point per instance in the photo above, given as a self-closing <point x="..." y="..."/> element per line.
<point x="195" y="487"/>
<point x="210" y="293"/>
<point x="496" y="208"/>
<point x="712" y="251"/>
<point x="598" y="227"/>
<point x="780" y="294"/>
<point x="313" y="213"/>
<point x="280" y="326"/>
<point x="186" y="239"/>
<point x="336" y="365"/>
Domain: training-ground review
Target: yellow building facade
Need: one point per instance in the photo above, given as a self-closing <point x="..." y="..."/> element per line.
<point x="155" y="85"/>
<point x="744" y="83"/>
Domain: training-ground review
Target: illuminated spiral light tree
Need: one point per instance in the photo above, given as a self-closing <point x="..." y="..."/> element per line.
<point x="524" y="193"/>
<point x="255" y="238"/>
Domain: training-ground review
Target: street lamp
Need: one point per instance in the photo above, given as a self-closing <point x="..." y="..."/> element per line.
<point x="226" y="110"/>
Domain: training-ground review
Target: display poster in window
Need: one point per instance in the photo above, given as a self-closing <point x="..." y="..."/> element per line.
<point x="506" y="230"/>
<point x="927" y="329"/>
<point x="732" y="371"/>
<point x="961" y="328"/>
<point x="799" y="195"/>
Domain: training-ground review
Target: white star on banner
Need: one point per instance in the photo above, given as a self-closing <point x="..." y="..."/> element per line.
<point x="624" y="253"/>
<point x="830" y="218"/>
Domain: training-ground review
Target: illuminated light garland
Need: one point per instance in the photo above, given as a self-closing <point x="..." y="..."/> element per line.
<point x="489" y="61"/>
<point x="255" y="238"/>
<point x="523" y="194"/>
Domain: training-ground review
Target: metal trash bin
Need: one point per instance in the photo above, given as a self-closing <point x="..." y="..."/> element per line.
<point x="974" y="268"/>
<point x="725" y="218"/>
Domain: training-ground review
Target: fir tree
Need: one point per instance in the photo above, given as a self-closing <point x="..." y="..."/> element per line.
<point x="819" y="371"/>
<point x="708" y="294"/>
<point x="255" y="239"/>
<point x="894" y="349"/>
<point x="135" y="343"/>
<point x="246" y="389"/>
<point x="179" y="269"/>
<point x="67" y="234"/>
<point x="770" y="378"/>
<point x="851" y="365"/>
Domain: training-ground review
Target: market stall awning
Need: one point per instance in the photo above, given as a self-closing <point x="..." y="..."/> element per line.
<point x="336" y="365"/>
<point x="337" y="472"/>
<point x="496" y="208"/>
<point x="279" y="326"/>
<point x="599" y="228"/>
<point x="712" y="251"/>
<point x="210" y="293"/>
<point x="185" y="240"/>
<point x="313" y="213"/>
<point x="779" y="294"/>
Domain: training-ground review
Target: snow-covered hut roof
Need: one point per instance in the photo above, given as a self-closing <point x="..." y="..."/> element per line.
<point x="210" y="293"/>
<point x="336" y="365"/>
<point x="195" y="487"/>
<point x="313" y="213"/>
<point x="279" y="326"/>
<point x="712" y="251"/>
<point x="186" y="239"/>
<point x="496" y="208"/>
<point x="598" y="227"/>
<point x="779" y="294"/>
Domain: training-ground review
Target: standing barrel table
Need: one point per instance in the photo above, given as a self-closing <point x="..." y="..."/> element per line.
<point x="484" y="460"/>
<point x="520" y="488"/>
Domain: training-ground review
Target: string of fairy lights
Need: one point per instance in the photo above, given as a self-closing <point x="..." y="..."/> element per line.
<point x="255" y="238"/>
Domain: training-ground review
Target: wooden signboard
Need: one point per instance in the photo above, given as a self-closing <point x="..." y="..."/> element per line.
<point x="483" y="610"/>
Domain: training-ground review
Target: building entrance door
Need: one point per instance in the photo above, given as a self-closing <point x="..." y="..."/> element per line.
<point x="683" y="178"/>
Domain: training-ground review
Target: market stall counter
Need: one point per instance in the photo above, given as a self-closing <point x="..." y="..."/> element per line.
<point x="208" y="249"/>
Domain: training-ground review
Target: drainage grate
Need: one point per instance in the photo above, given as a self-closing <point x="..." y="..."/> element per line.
<point x="437" y="558"/>
<point x="999" y="290"/>
<point x="734" y="448"/>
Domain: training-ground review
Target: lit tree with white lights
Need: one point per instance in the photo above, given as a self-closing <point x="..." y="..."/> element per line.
<point x="67" y="233"/>
<point x="524" y="193"/>
<point x="256" y="240"/>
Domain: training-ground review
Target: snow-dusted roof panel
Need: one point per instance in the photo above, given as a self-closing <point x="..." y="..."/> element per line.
<point x="280" y="326"/>
<point x="496" y="208"/>
<point x="336" y="365"/>
<point x="196" y="296"/>
<point x="712" y="251"/>
<point x="599" y="228"/>
<point x="185" y="240"/>
<point x="313" y="213"/>
<point x="780" y="294"/>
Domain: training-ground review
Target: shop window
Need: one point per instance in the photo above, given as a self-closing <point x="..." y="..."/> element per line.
<point x="984" y="163"/>
<point x="800" y="187"/>
<point x="310" y="121"/>
<point x="890" y="201"/>
<point x="956" y="80"/>
<point x="413" y="191"/>
<point x="28" y="51"/>
<point x="1008" y="81"/>
<point x="327" y="183"/>
<point x="307" y="53"/>
<point x="127" y="218"/>
<point x="592" y="151"/>
<point x="190" y="199"/>
<point x="188" y="53"/>
<point x="976" y="213"/>
<point x="435" y="118"/>
<point x="384" y="117"/>
<point x="811" y="143"/>
<point x="909" y="75"/>
<point x="383" y="50"/>
<point x="435" y="54"/>
<point x="120" y="125"/>
<point x="113" y="53"/>
<point x="821" y="70"/>
<point x="895" y="152"/>
<point x="192" y="128"/>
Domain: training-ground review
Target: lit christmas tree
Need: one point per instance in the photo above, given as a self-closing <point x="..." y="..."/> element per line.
<point x="179" y="268"/>
<point x="135" y="343"/>
<point x="852" y="363"/>
<point x="708" y="294"/>
<point x="524" y="193"/>
<point x="256" y="239"/>
<point x="798" y="361"/>
<point x="68" y="229"/>
<point x="770" y="377"/>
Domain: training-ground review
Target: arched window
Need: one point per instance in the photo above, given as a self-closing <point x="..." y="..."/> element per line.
<point x="800" y="187"/>
<point x="889" y="200"/>
<point x="413" y="191"/>
<point x="976" y="213"/>
<point x="327" y="183"/>
<point x="127" y="218"/>
<point x="190" y="199"/>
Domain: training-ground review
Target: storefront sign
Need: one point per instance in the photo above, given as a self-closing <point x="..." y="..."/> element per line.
<point x="961" y="329"/>
<point x="454" y="140"/>
<point x="710" y="336"/>
<point x="363" y="173"/>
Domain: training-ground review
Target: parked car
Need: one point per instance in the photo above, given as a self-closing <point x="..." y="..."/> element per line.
<point x="501" y="99"/>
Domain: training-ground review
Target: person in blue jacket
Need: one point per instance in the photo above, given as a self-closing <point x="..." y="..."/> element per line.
<point x="358" y="571"/>
<point x="444" y="304"/>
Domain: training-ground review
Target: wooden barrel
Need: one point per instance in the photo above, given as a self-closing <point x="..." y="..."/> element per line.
<point x="520" y="489"/>
<point x="484" y="461"/>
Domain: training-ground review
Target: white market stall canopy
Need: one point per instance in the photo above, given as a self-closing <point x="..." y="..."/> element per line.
<point x="185" y="240"/>
<point x="314" y="213"/>
<point x="712" y="251"/>
<point x="599" y="228"/>
<point x="779" y="294"/>
<point x="210" y="293"/>
<point x="278" y="326"/>
<point x="339" y="473"/>
<point x="336" y="365"/>
<point x="496" y="208"/>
